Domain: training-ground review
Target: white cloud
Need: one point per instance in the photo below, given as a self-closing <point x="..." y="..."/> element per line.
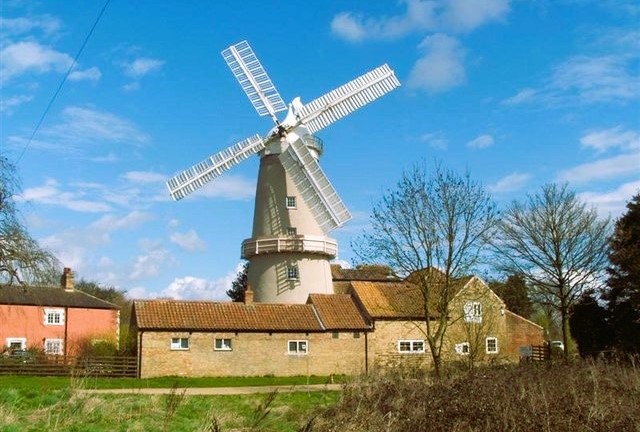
<point x="22" y="57"/>
<point x="615" y="137"/>
<point x="482" y="141"/>
<point x="603" y="169"/>
<point x="509" y="183"/>
<point x="91" y="74"/>
<point x="7" y="104"/>
<point x="144" y="177"/>
<point x="467" y="15"/>
<point x="523" y="96"/>
<point x="131" y="220"/>
<point x="420" y="15"/>
<point x="51" y="194"/>
<point x="435" y="140"/>
<point x="142" y="66"/>
<point x="21" y="25"/>
<point x="228" y="187"/>
<point x="131" y="86"/>
<point x="441" y="67"/>
<point x="612" y="203"/>
<point x="194" y="288"/>
<point x="189" y="241"/>
<point x="150" y="264"/>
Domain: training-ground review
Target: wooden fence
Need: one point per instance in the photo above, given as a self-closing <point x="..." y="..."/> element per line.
<point x="535" y="353"/>
<point x="58" y="365"/>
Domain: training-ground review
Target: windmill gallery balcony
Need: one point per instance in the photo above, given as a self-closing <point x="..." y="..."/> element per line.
<point x="301" y="243"/>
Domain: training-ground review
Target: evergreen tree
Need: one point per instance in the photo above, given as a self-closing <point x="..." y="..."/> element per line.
<point x="589" y="326"/>
<point x="239" y="286"/>
<point x="515" y="294"/>
<point x="623" y="295"/>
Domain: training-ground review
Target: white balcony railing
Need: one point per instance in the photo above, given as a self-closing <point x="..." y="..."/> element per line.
<point x="307" y="244"/>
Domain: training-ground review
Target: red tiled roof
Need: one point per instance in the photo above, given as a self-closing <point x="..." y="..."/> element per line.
<point x="48" y="296"/>
<point x="338" y="312"/>
<point x="368" y="272"/>
<point x="390" y="299"/>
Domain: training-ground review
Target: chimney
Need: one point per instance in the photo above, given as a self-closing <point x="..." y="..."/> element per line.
<point x="248" y="295"/>
<point x="67" y="279"/>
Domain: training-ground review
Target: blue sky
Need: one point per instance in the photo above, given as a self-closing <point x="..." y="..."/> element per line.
<point x="519" y="93"/>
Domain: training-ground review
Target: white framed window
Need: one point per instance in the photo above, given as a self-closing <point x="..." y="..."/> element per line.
<point x="292" y="273"/>
<point x="292" y="231"/>
<point x="462" y="348"/>
<point x="16" y="343"/>
<point x="298" y="347"/>
<point x="410" y="346"/>
<point x="473" y="312"/>
<point x="492" y="345"/>
<point x="54" y="317"/>
<point x="222" y="344"/>
<point x="291" y="202"/>
<point x="179" y="344"/>
<point x="53" y="346"/>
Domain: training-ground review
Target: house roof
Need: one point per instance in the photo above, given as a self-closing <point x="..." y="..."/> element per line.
<point x="328" y="314"/>
<point x="338" y="312"/>
<point x="391" y="300"/>
<point x="48" y="296"/>
<point x="371" y="272"/>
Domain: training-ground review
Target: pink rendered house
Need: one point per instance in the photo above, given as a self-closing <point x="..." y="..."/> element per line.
<point x="54" y="320"/>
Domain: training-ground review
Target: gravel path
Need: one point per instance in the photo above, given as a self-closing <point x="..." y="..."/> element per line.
<point x="194" y="391"/>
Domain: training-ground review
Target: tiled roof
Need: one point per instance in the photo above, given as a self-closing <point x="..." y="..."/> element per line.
<point x="47" y="296"/>
<point x="369" y="272"/>
<point x="228" y="316"/>
<point x="338" y="312"/>
<point x="392" y="300"/>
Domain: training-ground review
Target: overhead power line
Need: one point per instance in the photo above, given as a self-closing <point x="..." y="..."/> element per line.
<point x="64" y="79"/>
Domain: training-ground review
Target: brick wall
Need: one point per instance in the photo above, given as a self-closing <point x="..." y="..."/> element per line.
<point x="252" y="354"/>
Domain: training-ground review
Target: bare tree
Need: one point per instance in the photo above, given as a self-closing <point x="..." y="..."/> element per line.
<point x="557" y="244"/>
<point x="22" y="260"/>
<point x="433" y="228"/>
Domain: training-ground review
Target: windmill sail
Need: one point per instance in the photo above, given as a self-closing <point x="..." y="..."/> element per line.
<point x="314" y="186"/>
<point x="198" y="175"/>
<point x="253" y="79"/>
<point x="338" y="103"/>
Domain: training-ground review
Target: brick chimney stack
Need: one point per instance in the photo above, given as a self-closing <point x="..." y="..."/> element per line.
<point x="67" y="279"/>
<point x="248" y="295"/>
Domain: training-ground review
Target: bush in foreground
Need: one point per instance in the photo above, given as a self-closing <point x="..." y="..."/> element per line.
<point x="563" y="397"/>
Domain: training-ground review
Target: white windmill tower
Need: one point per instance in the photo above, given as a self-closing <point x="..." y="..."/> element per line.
<point x="295" y="206"/>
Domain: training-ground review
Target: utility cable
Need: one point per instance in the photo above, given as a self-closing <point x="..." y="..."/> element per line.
<point x="64" y="79"/>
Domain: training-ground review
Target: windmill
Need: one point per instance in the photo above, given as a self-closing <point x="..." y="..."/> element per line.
<point x="295" y="206"/>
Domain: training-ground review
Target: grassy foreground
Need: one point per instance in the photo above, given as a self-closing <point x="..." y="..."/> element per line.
<point x="558" y="397"/>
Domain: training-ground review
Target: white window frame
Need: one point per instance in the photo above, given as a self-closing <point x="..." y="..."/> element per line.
<point x="463" y="348"/>
<point x="293" y="273"/>
<point x="53" y="313"/>
<point x="21" y="340"/>
<point x="176" y="344"/>
<point x="291" y="202"/>
<point x="301" y="347"/>
<point x="222" y="344"/>
<point x="416" y="346"/>
<point x="486" y="344"/>
<point x="473" y="312"/>
<point x="58" y="343"/>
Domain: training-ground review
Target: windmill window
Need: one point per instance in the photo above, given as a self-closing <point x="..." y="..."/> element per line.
<point x="292" y="273"/>
<point x="54" y="316"/>
<point x="179" y="344"/>
<point x="222" y="344"/>
<point x="291" y="202"/>
<point x="292" y="232"/>
<point x="53" y="346"/>
<point x="492" y="345"/>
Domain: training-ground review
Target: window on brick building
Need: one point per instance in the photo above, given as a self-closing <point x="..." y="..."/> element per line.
<point x="492" y="345"/>
<point x="53" y="346"/>
<point x="299" y="347"/>
<point x="222" y="344"/>
<point x="410" y="346"/>
<point x="179" y="343"/>
<point x="54" y="317"/>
